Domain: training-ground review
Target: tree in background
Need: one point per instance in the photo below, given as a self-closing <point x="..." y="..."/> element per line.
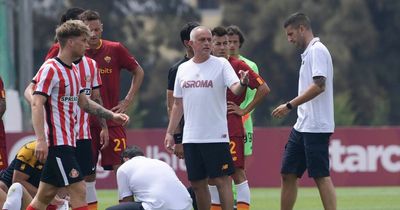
<point x="148" y="28"/>
<point x="361" y="37"/>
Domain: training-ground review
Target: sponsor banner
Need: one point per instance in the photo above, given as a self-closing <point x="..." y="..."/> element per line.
<point x="359" y="156"/>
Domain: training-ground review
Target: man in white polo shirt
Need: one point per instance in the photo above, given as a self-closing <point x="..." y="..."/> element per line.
<point x="200" y="94"/>
<point x="153" y="184"/>
<point x="308" y="143"/>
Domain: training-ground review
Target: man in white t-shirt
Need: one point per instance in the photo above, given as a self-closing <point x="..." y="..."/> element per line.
<point x="308" y="143"/>
<point x="152" y="183"/>
<point x="200" y="94"/>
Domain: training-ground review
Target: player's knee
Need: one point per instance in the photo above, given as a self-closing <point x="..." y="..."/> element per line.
<point x="239" y="176"/>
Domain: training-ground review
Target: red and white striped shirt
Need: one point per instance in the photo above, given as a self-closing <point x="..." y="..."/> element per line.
<point x="90" y="79"/>
<point x="60" y="84"/>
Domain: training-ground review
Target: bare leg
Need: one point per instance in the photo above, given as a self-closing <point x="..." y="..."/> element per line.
<point x="77" y="193"/>
<point x="224" y="186"/>
<point x="327" y="192"/>
<point x="44" y="196"/>
<point x="202" y="193"/>
<point x="288" y="191"/>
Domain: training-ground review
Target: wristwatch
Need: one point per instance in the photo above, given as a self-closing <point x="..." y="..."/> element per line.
<point x="289" y="106"/>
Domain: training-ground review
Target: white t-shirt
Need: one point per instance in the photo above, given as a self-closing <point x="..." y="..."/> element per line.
<point x="202" y="87"/>
<point x="316" y="115"/>
<point x="154" y="183"/>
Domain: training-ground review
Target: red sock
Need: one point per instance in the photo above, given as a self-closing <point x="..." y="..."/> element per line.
<point x="30" y="207"/>
<point x="80" y="208"/>
<point x="51" y="207"/>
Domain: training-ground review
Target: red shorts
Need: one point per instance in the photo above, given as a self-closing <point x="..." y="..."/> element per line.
<point x="3" y="150"/>
<point x="236" y="145"/>
<point x="111" y="155"/>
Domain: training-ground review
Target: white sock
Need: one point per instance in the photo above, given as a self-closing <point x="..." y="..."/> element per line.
<point x="214" y="194"/>
<point x="91" y="195"/>
<point x="243" y="192"/>
<point x="14" y="197"/>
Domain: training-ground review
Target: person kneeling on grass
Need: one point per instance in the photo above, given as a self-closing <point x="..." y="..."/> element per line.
<point x="152" y="182"/>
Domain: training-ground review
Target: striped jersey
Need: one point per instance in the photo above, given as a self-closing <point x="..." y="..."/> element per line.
<point x="89" y="80"/>
<point x="60" y="84"/>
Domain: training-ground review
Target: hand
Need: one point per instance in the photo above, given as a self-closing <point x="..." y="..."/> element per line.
<point x="104" y="138"/>
<point x="41" y="151"/>
<point x="121" y="107"/>
<point x="121" y="118"/>
<point x="57" y="201"/>
<point x="169" y="143"/>
<point x="178" y="151"/>
<point x="244" y="77"/>
<point x="235" y="109"/>
<point x="280" y="111"/>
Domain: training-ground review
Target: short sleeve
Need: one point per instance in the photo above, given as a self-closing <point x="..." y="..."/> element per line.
<point x="123" y="184"/>
<point x="319" y="62"/>
<point x="45" y="81"/>
<point x="171" y="78"/>
<point x="230" y="76"/>
<point x="255" y="80"/>
<point x="127" y="60"/>
<point x="177" y="85"/>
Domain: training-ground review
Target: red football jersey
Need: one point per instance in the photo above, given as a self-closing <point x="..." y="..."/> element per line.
<point x="235" y="124"/>
<point x="111" y="58"/>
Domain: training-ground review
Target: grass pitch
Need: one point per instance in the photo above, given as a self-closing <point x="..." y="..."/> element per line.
<point x="348" y="198"/>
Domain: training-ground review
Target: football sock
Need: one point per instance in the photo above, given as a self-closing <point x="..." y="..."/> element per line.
<point x="30" y="207"/>
<point x="243" y="196"/>
<point x="214" y="194"/>
<point x="91" y="196"/>
<point x="14" y="197"/>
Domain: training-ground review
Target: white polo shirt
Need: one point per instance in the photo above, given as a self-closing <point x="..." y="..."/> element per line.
<point x="154" y="183"/>
<point x="202" y="87"/>
<point x="316" y="115"/>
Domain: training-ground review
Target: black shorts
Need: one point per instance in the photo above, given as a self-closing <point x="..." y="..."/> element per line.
<point x="61" y="167"/>
<point x="85" y="156"/>
<point x="208" y="160"/>
<point x="306" y="151"/>
<point x="127" y="206"/>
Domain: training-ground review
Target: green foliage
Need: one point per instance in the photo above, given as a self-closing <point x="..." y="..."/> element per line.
<point x="360" y="34"/>
<point x="360" y="37"/>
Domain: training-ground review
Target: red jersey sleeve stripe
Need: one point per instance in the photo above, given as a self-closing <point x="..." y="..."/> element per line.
<point x="60" y="107"/>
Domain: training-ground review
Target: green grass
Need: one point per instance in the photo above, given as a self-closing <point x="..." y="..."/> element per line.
<point x="349" y="198"/>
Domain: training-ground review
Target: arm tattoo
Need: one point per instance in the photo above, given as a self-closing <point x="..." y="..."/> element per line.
<point x="97" y="110"/>
<point x="320" y="81"/>
<point x="2" y="107"/>
<point x="102" y="121"/>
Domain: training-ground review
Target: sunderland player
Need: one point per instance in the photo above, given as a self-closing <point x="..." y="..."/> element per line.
<point x="111" y="58"/>
<point x="21" y="179"/>
<point x="54" y="104"/>
<point x="236" y="40"/>
<point x="90" y="82"/>
<point x="3" y="150"/>
<point x="235" y="125"/>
